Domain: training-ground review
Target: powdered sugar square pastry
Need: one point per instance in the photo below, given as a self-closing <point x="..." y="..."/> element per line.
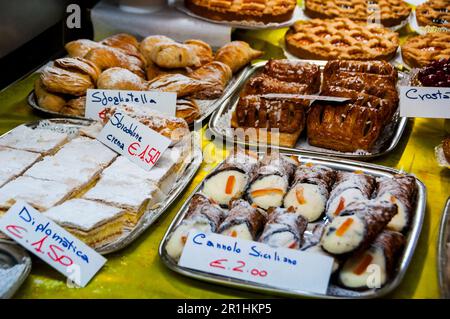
<point x="33" y="140"/>
<point x="38" y="193"/>
<point x="14" y="162"/>
<point x="92" y="130"/>
<point x="94" y="223"/>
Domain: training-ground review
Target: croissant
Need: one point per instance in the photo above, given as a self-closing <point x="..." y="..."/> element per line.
<point x="125" y="42"/>
<point x="237" y="54"/>
<point x="216" y="73"/>
<point x="78" y="65"/>
<point x="79" y="48"/>
<point x="179" y="83"/>
<point x="202" y="50"/>
<point x="58" y="80"/>
<point x="188" y="110"/>
<point x="47" y="100"/>
<point x="146" y="46"/>
<point x="120" y="79"/>
<point x="75" y="107"/>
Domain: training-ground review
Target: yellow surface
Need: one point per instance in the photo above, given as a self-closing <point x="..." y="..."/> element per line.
<point x="137" y="272"/>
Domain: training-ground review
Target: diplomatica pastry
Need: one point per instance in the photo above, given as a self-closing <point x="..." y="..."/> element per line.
<point x="357" y="272"/>
<point x="231" y="179"/>
<point x="349" y="187"/>
<point x="92" y="222"/>
<point x="284" y="228"/>
<point x="271" y="180"/>
<point x="357" y="226"/>
<point x="14" y="163"/>
<point x="310" y="190"/>
<point x="401" y="191"/>
<point x="243" y="221"/>
<point x="203" y="215"/>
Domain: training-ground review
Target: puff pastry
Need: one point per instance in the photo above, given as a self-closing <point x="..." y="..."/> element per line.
<point x="126" y="42"/>
<point x="216" y="73"/>
<point x="120" y="79"/>
<point x="78" y="65"/>
<point x="179" y="83"/>
<point x="188" y="110"/>
<point x="152" y="71"/>
<point x="79" y="48"/>
<point x="58" y="80"/>
<point x="75" y="107"/>
<point x="237" y="54"/>
<point x="47" y="100"/>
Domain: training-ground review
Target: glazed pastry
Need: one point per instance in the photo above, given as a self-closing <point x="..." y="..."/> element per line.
<point x="383" y="253"/>
<point x="47" y="100"/>
<point x="434" y="13"/>
<point x="188" y="110"/>
<point x="418" y="51"/>
<point x="216" y="73"/>
<point x="392" y="12"/>
<point x="120" y="79"/>
<point x="270" y="181"/>
<point x="248" y="11"/>
<point x="243" y="221"/>
<point x="75" y="107"/>
<point x="178" y="83"/>
<point x="202" y="50"/>
<point x="284" y="228"/>
<point x="400" y="190"/>
<point x="340" y="38"/>
<point x="237" y="54"/>
<point x="310" y="191"/>
<point x="357" y="226"/>
<point x="435" y="74"/>
<point x="231" y="179"/>
<point x="349" y="187"/>
<point x="57" y="80"/>
<point x="202" y="215"/>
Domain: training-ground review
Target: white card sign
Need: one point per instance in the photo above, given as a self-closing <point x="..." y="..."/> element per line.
<point x="98" y="101"/>
<point x="427" y="102"/>
<point x="133" y="140"/>
<point x="256" y="262"/>
<point x="51" y="243"/>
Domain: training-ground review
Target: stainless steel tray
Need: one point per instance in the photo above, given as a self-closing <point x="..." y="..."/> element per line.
<point x="333" y="291"/>
<point x="444" y="252"/>
<point x="185" y="175"/>
<point x="206" y="106"/>
<point x="17" y="262"/>
<point x="219" y="126"/>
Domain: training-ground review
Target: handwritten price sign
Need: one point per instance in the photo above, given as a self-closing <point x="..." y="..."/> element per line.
<point x="134" y="140"/>
<point x="427" y="102"/>
<point x="98" y="101"/>
<point x="51" y="243"/>
<point x="256" y="262"/>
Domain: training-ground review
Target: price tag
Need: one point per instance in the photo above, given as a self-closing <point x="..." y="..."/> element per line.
<point x="256" y="262"/>
<point x="98" y="101"/>
<point x="132" y="139"/>
<point x="50" y="242"/>
<point x="428" y="102"/>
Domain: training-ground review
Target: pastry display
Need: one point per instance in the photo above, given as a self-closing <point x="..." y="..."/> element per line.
<point x="83" y="185"/>
<point x="358" y="238"/>
<point x="157" y="63"/>
<point x="276" y="119"/>
<point x="391" y="12"/>
<point x="434" y="13"/>
<point x="340" y="38"/>
<point x="249" y="10"/>
<point x="358" y="123"/>
<point x="419" y="51"/>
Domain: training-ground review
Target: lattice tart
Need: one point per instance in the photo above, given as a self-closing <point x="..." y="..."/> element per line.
<point x="265" y="11"/>
<point x="340" y="38"/>
<point x="434" y="13"/>
<point x="420" y="50"/>
<point x="391" y="12"/>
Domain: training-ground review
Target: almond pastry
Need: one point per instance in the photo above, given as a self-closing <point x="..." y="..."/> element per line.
<point x="391" y="12"/>
<point x="340" y="38"/>
<point x="246" y="10"/>
<point x="434" y="13"/>
<point x="420" y="50"/>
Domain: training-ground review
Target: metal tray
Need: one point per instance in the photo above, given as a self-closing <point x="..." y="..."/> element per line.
<point x="185" y="175"/>
<point x="219" y="123"/>
<point x="12" y="255"/>
<point x="333" y="291"/>
<point x="444" y="252"/>
<point x="206" y="106"/>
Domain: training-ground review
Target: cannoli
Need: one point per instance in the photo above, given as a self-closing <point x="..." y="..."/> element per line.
<point x="284" y="228"/>
<point x="357" y="226"/>
<point x="203" y="215"/>
<point x="270" y="182"/>
<point x="231" y="179"/>
<point x="243" y="221"/>
<point x="349" y="187"/>
<point x="358" y="270"/>
<point x="400" y="190"/>
<point x="310" y="191"/>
